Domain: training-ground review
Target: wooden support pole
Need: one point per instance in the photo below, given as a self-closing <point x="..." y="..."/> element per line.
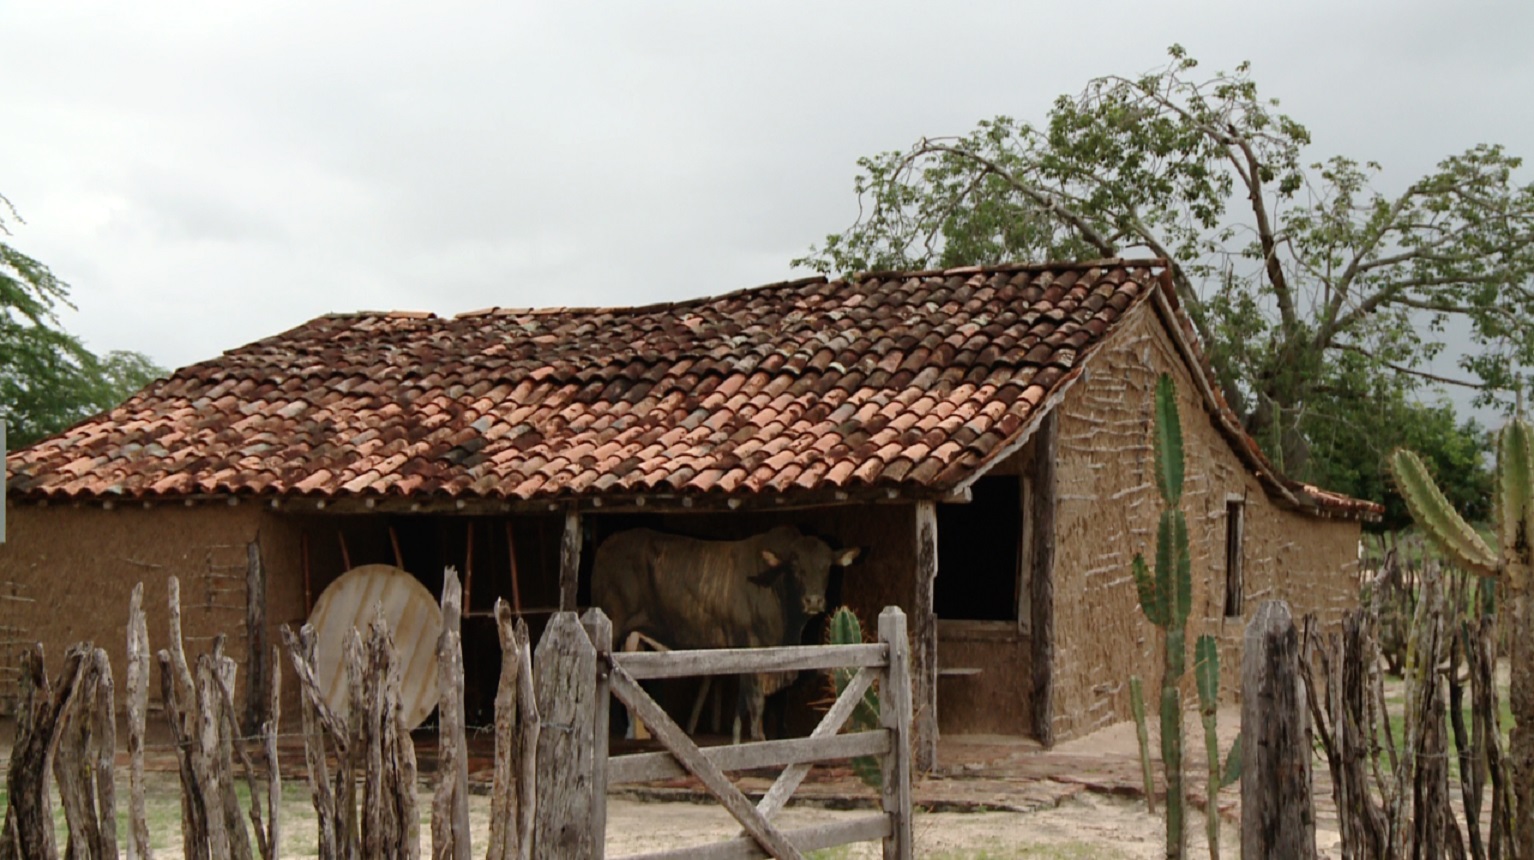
<point x="256" y="645"/>
<point x="1277" y="816"/>
<point x="924" y="654"/>
<point x="516" y="578"/>
<point x="565" y="665"/>
<point x="570" y="560"/>
<point x="346" y="556"/>
<point x="468" y="569"/>
<point x="303" y="548"/>
<point x="399" y="557"/>
<point x="600" y="629"/>
<point x="1042" y="579"/>
<point x="895" y="717"/>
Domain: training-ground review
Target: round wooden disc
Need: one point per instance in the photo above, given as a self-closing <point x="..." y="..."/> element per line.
<point x="415" y="620"/>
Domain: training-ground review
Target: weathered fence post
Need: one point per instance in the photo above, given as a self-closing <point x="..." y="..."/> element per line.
<point x="450" y="806"/>
<point x="895" y="717"/>
<point x="516" y="740"/>
<point x="565" y="665"/>
<point x="1277" y="817"/>
<point x="600" y="630"/>
<point x="137" y="703"/>
<point x="256" y="668"/>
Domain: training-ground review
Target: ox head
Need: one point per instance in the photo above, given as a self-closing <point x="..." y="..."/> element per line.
<point x="806" y="562"/>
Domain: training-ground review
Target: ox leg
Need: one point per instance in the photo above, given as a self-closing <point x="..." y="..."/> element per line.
<point x="750" y="707"/>
<point x="636" y="729"/>
<point x="697" y="705"/>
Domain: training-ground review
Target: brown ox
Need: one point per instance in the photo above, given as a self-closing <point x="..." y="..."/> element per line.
<point x="689" y="593"/>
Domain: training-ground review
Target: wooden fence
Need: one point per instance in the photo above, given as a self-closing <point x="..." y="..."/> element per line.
<point x="551" y="769"/>
<point x="572" y="782"/>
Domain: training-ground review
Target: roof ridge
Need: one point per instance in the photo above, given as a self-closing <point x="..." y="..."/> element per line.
<point x="1051" y="265"/>
<point x="680" y="304"/>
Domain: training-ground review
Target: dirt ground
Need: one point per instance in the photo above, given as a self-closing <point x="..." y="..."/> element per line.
<point x="994" y="798"/>
<point x="1084" y="824"/>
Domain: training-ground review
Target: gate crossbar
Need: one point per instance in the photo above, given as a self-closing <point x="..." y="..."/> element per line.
<point x="788" y="781"/>
<point x="689" y="756"/>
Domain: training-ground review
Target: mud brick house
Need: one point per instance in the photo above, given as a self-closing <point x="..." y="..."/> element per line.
<point x="983" y="434"/>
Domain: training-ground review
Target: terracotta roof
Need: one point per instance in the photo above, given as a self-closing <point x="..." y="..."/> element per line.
<point x="910" y="381"/>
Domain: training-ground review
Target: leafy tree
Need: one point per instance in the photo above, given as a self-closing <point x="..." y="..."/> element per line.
<point x="48" y="379"/>
<point x="1305" y="282"/>
<point x="1350" y="458"/>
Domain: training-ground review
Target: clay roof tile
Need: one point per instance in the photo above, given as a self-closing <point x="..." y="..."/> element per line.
<point x="789" y="387"/>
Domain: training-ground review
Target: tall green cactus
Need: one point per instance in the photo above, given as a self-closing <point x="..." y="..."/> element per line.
<point x="845" y="629"/>
<point x="1206" y="671"/>
<point x="1166" y="598"/>
<point x="1509" y="564"/>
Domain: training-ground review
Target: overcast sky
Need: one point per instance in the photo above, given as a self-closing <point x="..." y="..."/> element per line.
<point x="206" y="174"/>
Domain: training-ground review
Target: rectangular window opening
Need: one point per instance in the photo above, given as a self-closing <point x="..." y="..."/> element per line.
<point x="979" y="551"/>
<point x="1235" y="524"/>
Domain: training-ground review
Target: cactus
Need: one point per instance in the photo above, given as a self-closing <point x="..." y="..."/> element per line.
<point x="1206" y="671"/>
<point x="1166" y="597"/>
<point x="1509" y="564"/>
<point x="1137" y="707"/>
<point x="845" y="629"/>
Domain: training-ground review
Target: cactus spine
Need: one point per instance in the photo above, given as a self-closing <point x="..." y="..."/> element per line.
<point x="1509" y="564"/>
<point x="1166" y="597"/>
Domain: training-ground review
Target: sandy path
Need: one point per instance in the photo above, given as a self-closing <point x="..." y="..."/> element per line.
<point x="1088" y="825"/>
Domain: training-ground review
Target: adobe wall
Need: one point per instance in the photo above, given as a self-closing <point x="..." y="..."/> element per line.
<point x="1108" y="510"/>
<point x="67" y="572"/>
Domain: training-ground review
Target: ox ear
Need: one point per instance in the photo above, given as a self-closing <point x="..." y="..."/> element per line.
<point x="773" y="570"/>
<point x="847" y="556"/>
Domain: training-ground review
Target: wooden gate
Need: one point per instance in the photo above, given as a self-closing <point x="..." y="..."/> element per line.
<point x="572" y="793"/>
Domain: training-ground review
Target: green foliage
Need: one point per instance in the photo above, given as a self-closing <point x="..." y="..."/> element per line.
<point x="1350" y="447"/>
<point x="48" y="379"/>
<point x="1307" y="284"/>
<point x="845" y="629"/>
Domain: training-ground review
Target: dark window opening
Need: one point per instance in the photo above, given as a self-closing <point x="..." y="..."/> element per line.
<point x="1235" y="517"/>
<point x="979" y="552"/>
